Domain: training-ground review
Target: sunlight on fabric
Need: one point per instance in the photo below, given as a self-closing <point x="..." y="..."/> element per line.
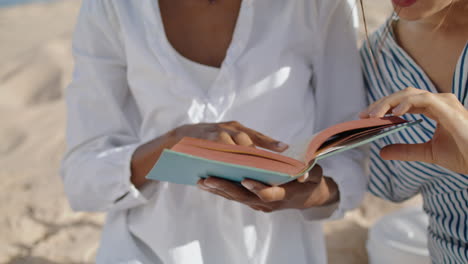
<point x="274" y="80"/>
<point x="189" y="251"/>
<point x="196" y="110"/>
<point x="250" y="237"/>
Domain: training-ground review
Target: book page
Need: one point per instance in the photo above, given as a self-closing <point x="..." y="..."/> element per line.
<point x="298" y="149"/>
<point x="364" y="139"/>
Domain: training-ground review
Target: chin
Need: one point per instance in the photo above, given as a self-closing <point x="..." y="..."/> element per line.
<point x="408" y="15"/>
<point x="421" y="9"/>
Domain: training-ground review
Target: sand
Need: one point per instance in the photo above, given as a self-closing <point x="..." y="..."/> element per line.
<point x="36" y="223"/>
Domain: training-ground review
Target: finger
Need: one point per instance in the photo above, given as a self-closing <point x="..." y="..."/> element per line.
<point x="255" y="207"/>
<point x="222" y="194"/>
<point x="411" y="110"/>
<point x="389" y="102"/>
<point x="201" y="184"/>
<point x="225" y="137"/>
<point x="267" y="142"/>
<point x="204" y="187"/>
<point x="408" y="152"/>
<point x="371" y="107"/>
<point x="384" y="107"/>
<point x="231" y="189"/>
<point x="266" y="209"/>
<point x="241" y="138"/>
<point x="368" y="110"/>
<point x="314" y="175"/>
<point x="303" y="178"/>
<point x="438" y="107"/>
<point x="421" y="101"/>
<point x="266" y="193"/>
<point x="260" y="139"/>
<point x="365" y="113"/>
<point x="261" y="208"/>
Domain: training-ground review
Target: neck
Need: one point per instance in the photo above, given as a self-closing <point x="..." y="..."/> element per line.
<point x="192" y="2"/>
<point x="451" y="18"/>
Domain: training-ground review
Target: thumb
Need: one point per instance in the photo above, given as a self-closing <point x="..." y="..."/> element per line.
<point x="315" y="175"/>
<point x="408" y="152"/>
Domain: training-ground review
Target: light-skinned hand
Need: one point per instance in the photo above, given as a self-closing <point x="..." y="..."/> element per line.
<point x="449" y="145"/>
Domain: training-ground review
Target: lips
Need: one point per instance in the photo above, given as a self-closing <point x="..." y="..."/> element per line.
<point x="404" y="3"/>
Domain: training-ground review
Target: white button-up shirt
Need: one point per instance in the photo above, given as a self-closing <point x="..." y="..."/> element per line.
<point x="291" y="70"/>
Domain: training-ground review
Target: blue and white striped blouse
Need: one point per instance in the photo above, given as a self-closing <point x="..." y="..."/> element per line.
<point x="445" y="193"/>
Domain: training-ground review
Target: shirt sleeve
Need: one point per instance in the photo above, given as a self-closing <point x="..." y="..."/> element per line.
<point x="103" y="118"/>
<point x="340" y="96"/>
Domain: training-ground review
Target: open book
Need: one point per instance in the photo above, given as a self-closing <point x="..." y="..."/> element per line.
<point x="192" y="159"/>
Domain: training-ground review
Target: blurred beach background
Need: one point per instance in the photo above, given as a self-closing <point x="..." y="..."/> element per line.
<point x="36" y="223"/>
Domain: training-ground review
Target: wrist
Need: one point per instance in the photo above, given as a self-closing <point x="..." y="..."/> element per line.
<point x="146" y="155"/>
<point x="322" y="194"/>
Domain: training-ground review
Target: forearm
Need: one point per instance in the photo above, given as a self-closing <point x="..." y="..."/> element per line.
<point x="146" y="155"/>
<point x="328" y="205"/>
<point x="456" y="122"/>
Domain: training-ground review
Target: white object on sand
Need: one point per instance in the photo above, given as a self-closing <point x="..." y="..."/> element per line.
<point x="399" y="237"/>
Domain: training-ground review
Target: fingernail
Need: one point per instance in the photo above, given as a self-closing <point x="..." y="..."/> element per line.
<point x="210" y="184"/>
<point x="203" y="187"/>
<point x="363" y="114"/>
<point x="282" y="145"/>
<point x="222" y="194"/>
<point x="373" y="114"/>
<point x="397" y="109"/>
<point x="248" y="185"/>
<point x="304" y="178"/>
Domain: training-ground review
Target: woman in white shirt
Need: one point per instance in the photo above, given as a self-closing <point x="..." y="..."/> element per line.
<point x="150" y="72"/>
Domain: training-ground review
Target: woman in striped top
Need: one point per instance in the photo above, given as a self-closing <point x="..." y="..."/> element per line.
<point x="424" y="45"/>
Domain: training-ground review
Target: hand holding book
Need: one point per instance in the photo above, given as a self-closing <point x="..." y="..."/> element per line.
<point x="230" y="133"/>
<point x="229" y="165"/>
<point x="316" y="190"/>
<point x="226" y="133"/>
<point x="310" y="190"/>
